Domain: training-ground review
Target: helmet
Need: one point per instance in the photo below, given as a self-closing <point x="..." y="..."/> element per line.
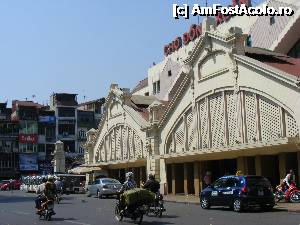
<point x="129" y="175"/>
<point x="50" y="178"/>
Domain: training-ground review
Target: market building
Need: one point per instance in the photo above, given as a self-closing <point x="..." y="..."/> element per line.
<point x="217" y="104"/>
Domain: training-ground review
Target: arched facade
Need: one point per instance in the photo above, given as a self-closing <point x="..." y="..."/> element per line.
<point x="121" y="142"/>
<point x="229" y="110"/>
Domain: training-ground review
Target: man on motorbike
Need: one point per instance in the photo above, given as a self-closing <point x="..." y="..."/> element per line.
<point x="129" y="183"/>
<point x="152" y="184"/>
<point x="49" y="192"/>
<point x="289" y="178"/>
<point x="41" y="197"/>
<point x="58" y="184"/>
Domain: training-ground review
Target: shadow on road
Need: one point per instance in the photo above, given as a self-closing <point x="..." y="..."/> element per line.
<point x="254" y="210"/>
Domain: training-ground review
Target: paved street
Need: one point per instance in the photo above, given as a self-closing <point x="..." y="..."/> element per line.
<point x="16" y="208"/>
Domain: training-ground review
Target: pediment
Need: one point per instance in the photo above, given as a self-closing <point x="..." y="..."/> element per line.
<point x="115" y="110"/>
<point x="212" y="63"/>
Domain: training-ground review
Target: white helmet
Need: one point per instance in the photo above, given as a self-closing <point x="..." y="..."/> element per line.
<point x="129" y="175"/>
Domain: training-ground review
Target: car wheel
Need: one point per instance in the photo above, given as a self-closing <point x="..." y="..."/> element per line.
<point x="204" y="203"/>
<point x="237" y="205"/>
<point x="118" y="214"/>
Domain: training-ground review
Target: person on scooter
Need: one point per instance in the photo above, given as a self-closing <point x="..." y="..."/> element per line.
<point x="49" y="192"/>
<point x="289" y="178"/>
<point x="152" y="184"/>
<point x="41" y="197"/>
<point x="129" y="183"/>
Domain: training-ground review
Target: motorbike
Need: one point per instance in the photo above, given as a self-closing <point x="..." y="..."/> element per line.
<point x="157" y="208"/>
<point x="58" y="197"/>
<point x="47" y="210"/>
<point x="292" y="194"/>
<point x="136" y="213"/>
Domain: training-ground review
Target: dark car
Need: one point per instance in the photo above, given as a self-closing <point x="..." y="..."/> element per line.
<point x="239" y="193"/>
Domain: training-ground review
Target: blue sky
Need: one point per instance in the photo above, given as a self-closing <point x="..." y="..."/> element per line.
<point x="82" y="46"/>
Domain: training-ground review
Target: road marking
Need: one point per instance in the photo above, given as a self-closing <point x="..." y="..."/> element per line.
<point x="74" y="222"/>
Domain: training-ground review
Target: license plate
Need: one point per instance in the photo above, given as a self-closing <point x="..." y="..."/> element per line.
<point x="260" y="192"/>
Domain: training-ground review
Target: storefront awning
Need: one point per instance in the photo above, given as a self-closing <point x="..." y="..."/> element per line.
<point x="84" y="169"/>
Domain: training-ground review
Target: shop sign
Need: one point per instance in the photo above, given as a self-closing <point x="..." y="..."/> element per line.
<point x="28" y="162"/>
<point x="196" y="30"/>
<point x="28" y="138"/>
<point x="47" y="119"/>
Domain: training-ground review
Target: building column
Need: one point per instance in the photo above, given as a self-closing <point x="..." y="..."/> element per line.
<point x="163" y="177"/>
<point x="282" y="166"/>
<point x="298" y="163"/>
<point x="258" y="169"/>
<point x="173" y="179"/>
<point x="196" y="178"/>
<point x="185" y="182"/>
<point x="141" y="176"/>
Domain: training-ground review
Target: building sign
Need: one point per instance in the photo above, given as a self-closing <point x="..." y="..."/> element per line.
<point x="195" y="31"/>
<point x="28" y="138"/>
<point x="67" y="122"/>
<point x="47" y="119"/>
<point x="28" y="162"/>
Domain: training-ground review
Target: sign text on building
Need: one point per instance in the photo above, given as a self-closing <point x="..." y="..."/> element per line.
<point x="196" y="30"/>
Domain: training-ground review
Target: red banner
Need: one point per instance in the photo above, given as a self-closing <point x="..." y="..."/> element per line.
<point x="28" y="138"/>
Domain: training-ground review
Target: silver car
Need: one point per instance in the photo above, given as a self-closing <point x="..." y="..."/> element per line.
<point x="103" y="187"/>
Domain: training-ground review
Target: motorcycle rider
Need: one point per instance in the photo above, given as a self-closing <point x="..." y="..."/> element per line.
<point x="41" y="197"/>
<point x="288" y="179"/>
<point x="49" y="191"/>
<point x="152" y="184"/>
<point x="58" y="184"/>
<point x="129" y="183"/>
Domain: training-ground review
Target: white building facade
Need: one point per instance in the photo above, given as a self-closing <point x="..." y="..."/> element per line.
<point x="224" y="107"/>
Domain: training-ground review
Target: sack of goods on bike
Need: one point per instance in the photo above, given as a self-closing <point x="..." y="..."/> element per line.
<point x="134" y="204"/>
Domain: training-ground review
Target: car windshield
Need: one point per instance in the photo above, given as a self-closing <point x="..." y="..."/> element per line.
<point x="110" y="181"/>
<point x="258" y="181"/>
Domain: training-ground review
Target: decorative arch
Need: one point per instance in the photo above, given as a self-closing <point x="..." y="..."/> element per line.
<point x="120" y="142"/>
<point x="226" y="118"/>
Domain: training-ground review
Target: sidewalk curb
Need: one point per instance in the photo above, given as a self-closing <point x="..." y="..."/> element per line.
<point x="183" y="202"/>
<point x="198" y="203"/>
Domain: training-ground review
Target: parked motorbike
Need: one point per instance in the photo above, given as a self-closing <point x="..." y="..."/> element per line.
<point x="290" y="195"/>
<point x="136" y="213"/>
<point x="47" y="210"/>
<point x="157" y="208"/>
